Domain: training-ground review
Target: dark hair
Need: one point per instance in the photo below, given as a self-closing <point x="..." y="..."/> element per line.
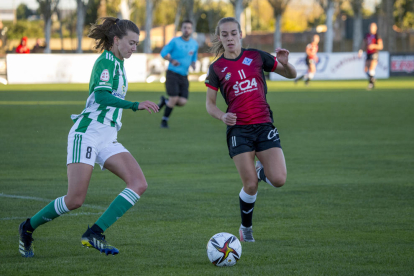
<point x="187" y="21"/>
<point x="104" y="33"/>
<point x="217" y="47"/>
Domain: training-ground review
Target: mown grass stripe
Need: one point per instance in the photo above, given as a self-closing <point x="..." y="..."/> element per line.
<point x="42" y="102"/>
<point x="48" y="200"/>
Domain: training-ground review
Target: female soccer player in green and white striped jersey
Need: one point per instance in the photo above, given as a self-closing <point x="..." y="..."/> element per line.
<point x="93" y="139"/>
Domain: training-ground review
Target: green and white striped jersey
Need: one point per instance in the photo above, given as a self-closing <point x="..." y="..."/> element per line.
<point x="108" y="73"/>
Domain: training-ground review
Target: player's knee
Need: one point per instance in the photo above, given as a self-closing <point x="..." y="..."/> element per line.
<point x="142" y="188"/>
<point x="74" y="202"/>
<point x="250" y="187"/>
<point x="172" y="101"/>
<point x="278" y="180"/>
<point x="138" y="185"/>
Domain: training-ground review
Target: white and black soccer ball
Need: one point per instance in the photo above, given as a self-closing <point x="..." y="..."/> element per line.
<point x="224" y="249"/>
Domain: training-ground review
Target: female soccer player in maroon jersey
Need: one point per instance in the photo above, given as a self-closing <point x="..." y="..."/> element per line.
<point x="238" y="73"/>
<point x="311" y="60"/>
<point x="372" y="43"/>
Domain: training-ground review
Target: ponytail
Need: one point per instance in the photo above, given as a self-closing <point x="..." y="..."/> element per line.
<point x="104" y="33"/>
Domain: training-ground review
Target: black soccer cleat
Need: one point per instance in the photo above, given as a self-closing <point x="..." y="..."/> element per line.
<point x="162" y="102"/>
<point x="25" y="241"/>
<point x="97" y="241"/>
<point x="164" y="124"/>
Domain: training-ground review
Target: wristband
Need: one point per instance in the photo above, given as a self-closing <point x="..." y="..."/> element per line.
<point x="135" y="106"/>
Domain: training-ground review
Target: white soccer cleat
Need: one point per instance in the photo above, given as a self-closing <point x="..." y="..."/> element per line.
<point x="246" y="234"/>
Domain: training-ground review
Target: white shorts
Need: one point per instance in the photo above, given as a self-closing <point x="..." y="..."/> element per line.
<point x="95" y="145"/>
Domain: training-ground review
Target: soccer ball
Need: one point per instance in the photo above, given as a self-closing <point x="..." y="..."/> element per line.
<point x="224" y="249"/>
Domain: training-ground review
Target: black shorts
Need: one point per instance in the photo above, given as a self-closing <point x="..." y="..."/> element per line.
<point x="176" y="85"/>
<point x="309" y="61"/>
<point x="247" y="138"/>
<point x="373" y="56"/>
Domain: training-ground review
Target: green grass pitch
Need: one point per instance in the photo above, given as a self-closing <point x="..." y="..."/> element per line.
<point x="347" y="207"/>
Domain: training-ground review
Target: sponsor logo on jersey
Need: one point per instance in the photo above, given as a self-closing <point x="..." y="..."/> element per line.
<point x="224" y="69"/>
<point x="120" y="95"/>
<point x="105" y="75"/>
<point x="228" y="75"/>
<point x="245" y="86"/>
<point x="247" y="61"/>
<point x="191" y="53"/>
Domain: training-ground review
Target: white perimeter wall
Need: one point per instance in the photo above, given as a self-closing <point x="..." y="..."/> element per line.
<point x="76" y="68"/>
<point x="65" y="68"/>
<point x="338" y="66"/>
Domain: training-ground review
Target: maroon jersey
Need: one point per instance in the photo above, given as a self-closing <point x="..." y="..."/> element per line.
<point x="313" y="47"/>
<point x="371" y="39"/>
<point x="243" y="86"/>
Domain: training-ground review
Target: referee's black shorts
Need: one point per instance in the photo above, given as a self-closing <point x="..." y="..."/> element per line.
<point x="176" y="85"/>
<point x="247" y="138"/>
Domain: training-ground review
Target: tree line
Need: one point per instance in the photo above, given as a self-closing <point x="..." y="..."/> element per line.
<point x="206" y="13"/>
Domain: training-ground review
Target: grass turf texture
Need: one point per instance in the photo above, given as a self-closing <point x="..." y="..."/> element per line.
<point x="346" y="209"/>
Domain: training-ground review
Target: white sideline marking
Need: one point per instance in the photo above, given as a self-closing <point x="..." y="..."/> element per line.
<point x="70" y="214"/>
<point x="48" y="200"/>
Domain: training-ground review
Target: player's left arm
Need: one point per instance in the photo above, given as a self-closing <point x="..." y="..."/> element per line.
<point x="284" y="68"/>
<point x="380" y="45"/>
<point x="104" y="97"/>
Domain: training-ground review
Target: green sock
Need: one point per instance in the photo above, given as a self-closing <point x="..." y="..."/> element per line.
<point x="118" y="207"/>
<point x="53" y="210"/>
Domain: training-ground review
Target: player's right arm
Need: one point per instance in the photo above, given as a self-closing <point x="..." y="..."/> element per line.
<point x="309" y="50"/>
<point x="165" y="53"/>
<point x="212" y="82"/>
<point x="377" y="46"/>
<point x="212" y="109"/>
<point x="363" y="45"/>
